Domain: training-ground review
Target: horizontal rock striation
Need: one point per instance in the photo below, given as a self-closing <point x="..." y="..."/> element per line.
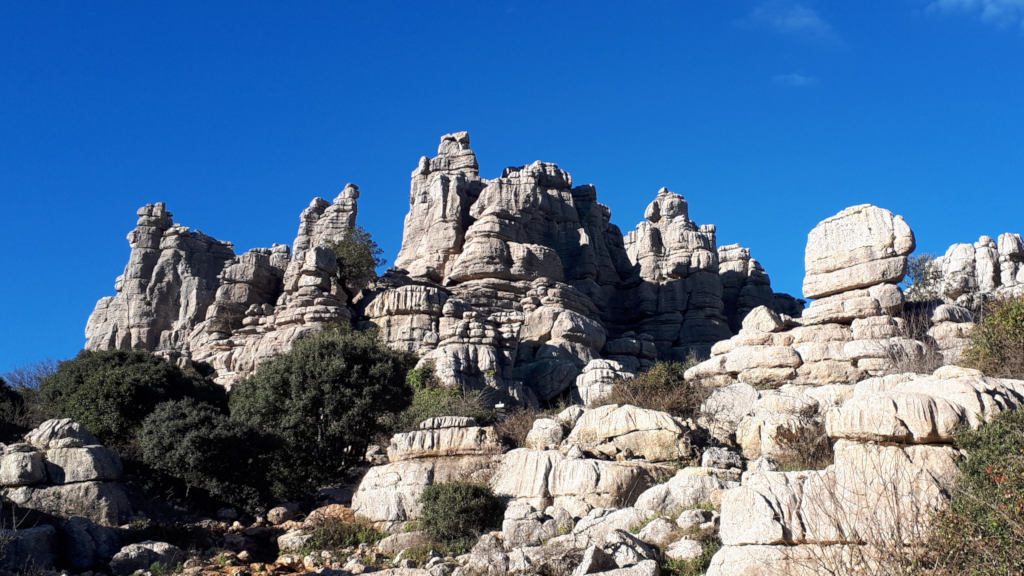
<point x="511" y="285"/>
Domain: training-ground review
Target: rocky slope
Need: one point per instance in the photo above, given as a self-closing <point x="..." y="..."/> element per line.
<point x="511" y="285"/>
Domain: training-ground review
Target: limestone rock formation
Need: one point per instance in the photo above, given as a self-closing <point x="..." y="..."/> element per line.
<point x="189" y="297"/>
<point x="894" y="467"/>
<point x="855" y="261"/>
<point x="440" y="450"/>
<point x="516" y="285"/>
<point x="169" y="282"/>
<point x="511" y="285"/>
<point x="971" y="274"/>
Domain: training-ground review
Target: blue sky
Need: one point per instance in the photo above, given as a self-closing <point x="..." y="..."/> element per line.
<point x="767" y="115"/>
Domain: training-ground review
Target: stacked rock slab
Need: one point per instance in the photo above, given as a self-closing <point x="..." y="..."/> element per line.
<point x="746" y="285"/>
<point x="854" y="262"/>
<point x="444" y="449"/>
<point x="311" y="294"/>
<point x="894" y="467"/>
<point x="61" y="476"/>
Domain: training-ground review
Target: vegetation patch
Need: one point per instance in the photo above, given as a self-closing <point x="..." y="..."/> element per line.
<point x="456" y="513"/>
<point x="661" y="388"/>
<point x="997" y="342"/>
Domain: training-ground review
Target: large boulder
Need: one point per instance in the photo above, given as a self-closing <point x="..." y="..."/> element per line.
<point x="626" y="432"/>
<point x="859" y="247"/>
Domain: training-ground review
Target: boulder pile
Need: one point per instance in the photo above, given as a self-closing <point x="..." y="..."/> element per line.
<point x="854" y="262"/>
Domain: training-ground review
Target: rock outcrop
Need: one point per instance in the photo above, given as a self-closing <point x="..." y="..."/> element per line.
<point x="894" y="467"/>
<point x="971" y="274"/>
<point x="510" y="285"/>
<point x="440" y="450"/>
<point x="854" y="262"/>
<point x="63" y="479"/>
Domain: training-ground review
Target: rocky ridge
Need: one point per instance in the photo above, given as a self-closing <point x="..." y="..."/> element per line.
<point x="512" y="285"/>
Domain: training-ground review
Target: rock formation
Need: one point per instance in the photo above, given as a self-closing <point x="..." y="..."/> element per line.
<point x="971" y="274"/>
<point x="62" y="476"/>
<point x="512" y="286"/>
<point x="522" y="287"/>
<point x="894" y="467"/>
<point x="854" y="262"/>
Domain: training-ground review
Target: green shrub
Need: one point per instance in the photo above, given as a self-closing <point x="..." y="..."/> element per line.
<point x="433" y="402"/>
<point x="12" y="408"/>
<point x="661" y="388"/>
<point x="201" y="447"/>
<point x="111" y="392"/>
<point x="323" y="401"/>
<point x="358" y="257"/>
<point x="997" y="342"/>
<point x="979" y="534"/>
<point x="456" y="513"/>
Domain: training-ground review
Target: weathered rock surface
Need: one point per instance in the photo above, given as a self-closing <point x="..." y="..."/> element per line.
<point x="442" y="450"/>
<point x="894" y="466"/>
<point x="509" y="285"/>
<point x="854" y="262"/>
<point x="61" y="470"/>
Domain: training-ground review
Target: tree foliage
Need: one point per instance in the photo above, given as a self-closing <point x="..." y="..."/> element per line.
<point x="111" y="392"/>
<point x="12" y="407"/>
<point x="358" y="257"/>
<point x="324" y="401"/>
<point x="662" y="388"/>
<point x="201" y="447"/>
<point x="924" y="279"/>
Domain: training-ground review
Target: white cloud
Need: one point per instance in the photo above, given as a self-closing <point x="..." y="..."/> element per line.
<point x="1001" y="13"/>
<point x="794" y="18"/>
<point x="794" y="80"/>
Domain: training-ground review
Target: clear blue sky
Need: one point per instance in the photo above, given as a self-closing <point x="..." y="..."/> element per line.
<point x="767" y="116"/>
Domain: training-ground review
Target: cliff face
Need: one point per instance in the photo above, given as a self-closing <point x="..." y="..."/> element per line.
<point x="510" y="285"/>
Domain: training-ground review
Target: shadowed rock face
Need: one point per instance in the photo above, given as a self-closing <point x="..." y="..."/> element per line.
<point x="510" y="285"/>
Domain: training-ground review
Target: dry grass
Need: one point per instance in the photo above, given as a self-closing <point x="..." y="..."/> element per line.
<point x="660" y="388"/>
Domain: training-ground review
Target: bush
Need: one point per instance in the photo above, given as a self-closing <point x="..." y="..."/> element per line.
<point x="204" y="450"/>
<point x="661" y="388"/>
<point x="358" y="257"/>
<point x="430" y="400"/>
<point x="981" y="531"/>
<point x="457" y="513"/>
<point x="323" y="401"/>
<point x="111" y="392"/>
<point x="997" y="342"/>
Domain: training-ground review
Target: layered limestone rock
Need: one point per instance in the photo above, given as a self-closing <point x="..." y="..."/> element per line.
<point x="170" y="281"/>
<point x="189" y="297"/>
<point x="511" y="285"/>
<point x="310" y="296"/>
<point x="443" y="449"/>
<point x="854" y="263"/>
<point x="971" y="274"/>
<point x="514" y="285"/>
<point x="894" y="467"/>
<point x="62" y="470"/>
